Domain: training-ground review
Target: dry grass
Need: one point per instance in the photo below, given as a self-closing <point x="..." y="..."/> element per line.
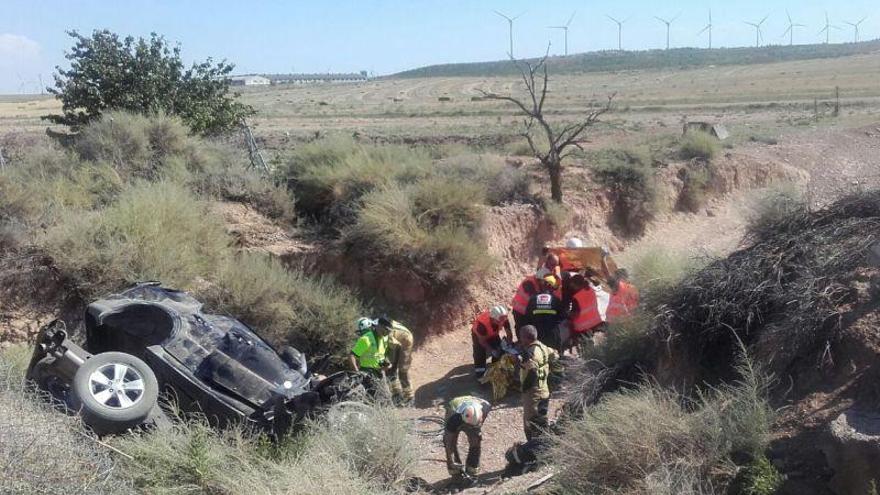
<point x="651" y="440"/>
<point x="43" y="450"/>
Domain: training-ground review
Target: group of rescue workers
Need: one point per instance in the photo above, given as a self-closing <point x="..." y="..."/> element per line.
<point x="563" y="302"/>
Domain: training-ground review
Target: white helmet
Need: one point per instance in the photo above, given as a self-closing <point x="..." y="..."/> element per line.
<point x="364" y="324"/>
<point x="497" y="312"/>
<point x="574" y="242"/>
<point x="471" y="413"/>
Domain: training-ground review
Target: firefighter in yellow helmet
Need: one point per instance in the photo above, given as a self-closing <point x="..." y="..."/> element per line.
<point x="400" y="347"/>
<point x="464" y="414"/>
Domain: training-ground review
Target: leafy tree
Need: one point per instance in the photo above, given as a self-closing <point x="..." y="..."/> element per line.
<point x="145" y="76"/>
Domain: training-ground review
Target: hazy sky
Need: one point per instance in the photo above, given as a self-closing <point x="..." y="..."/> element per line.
<point x="386" y="36"/>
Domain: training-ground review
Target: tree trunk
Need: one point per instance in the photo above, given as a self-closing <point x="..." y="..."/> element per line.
<point x="555" y="171"/>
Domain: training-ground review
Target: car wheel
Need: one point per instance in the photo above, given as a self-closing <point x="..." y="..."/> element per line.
<point x="114" y="391"/>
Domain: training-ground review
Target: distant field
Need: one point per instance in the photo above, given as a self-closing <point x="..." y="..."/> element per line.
<point x="758" y="98"/>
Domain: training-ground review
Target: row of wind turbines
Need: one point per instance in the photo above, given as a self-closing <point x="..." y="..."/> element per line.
<point x="759" y="34"/>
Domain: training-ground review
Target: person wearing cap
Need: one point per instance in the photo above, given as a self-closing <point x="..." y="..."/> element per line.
<point x="486" y="336"/>
<point x="465" y="414"/>
<point x="399" y="353"/>
<point x="546" y="310"/>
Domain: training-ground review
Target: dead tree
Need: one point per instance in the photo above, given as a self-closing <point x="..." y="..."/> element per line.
<point x="562" y="140"/>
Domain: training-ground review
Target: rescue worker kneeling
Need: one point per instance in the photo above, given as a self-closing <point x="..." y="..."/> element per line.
<point x="464" y="414"/>
<point x="538" y="361"/>
<point x="486" y="336"/>
<point x="368" y="354"/>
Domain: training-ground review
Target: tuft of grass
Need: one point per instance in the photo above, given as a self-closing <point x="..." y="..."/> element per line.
<point x="499" y="183"/>
<point x="651" y="440"/>
<point x="633" y="190"/>
<point x="696" y="179"/>
<point x="356" y="448"/>
<point x="761" y="478"/>
<point x="43" y="450"/>
<point x="286" y="306"/>
<point x="329" y="177"/>
<point x="700" y="145"/>
<point x="772" y="206"/>
<point x="391" y="232"/>
<point x="133" y="144"/>
<point x="155" y="231"/>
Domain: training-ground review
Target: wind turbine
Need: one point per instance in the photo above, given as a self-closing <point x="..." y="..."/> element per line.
<point x="790" y="30"/>
<point x="565" y="30"/>
<point x="855" y="26"/>
<point x="827" y="29"/>
<point x="708" y="28"/>
<point x="668" y="24"/>
<point x="510" y="26"/>
<point x="619" y="31"/>
<point x="757" y="25"/>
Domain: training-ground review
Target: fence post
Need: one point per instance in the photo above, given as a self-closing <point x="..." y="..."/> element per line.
<point x="836" y="101"/>
<point x="2" y="160"/>
<point x="816" y="109"/>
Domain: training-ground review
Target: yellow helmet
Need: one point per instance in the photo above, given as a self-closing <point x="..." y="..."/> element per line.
<point x="552" y="281"/>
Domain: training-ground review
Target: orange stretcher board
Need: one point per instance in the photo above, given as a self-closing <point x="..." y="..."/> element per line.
<point x="587" y="257"/>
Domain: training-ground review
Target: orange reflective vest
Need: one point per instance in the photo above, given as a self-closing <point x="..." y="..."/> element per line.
<point x="527" y="288"/>
<point x="585" y="311"/>
<point x="623" y="302"/>
<point x="492" y="328"/>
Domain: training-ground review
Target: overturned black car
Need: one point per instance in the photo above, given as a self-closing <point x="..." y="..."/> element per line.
<point x="150" y="339"/>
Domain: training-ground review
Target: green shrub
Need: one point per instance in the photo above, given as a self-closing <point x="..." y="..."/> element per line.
<point x="315" y="315"/>
<point x="762" y="478"/>
<point x="329" y="177"/>
<point x="443" y="203"/>
<point x="656" y="270"/>
<point x="388" y="234"/>
<point x="502" y="184"/>
<point x="699" y="144"/>
<point x="48" y="180"/>
<point x="696" y="179"/>
<point x="772" y="206"/>
<point x="651" y="440"/>
<point x="222" y="172"/>
<point x="634" y="193"/>
<point x="155" y="231"/>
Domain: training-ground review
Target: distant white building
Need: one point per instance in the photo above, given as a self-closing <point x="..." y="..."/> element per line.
<point x="249" y="81"/>
<point x="327" y="78"/>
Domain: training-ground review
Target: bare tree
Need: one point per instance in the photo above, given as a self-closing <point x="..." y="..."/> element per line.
<point x="562" y="140"/>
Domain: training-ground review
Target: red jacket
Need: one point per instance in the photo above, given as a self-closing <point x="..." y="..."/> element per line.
<point x="527" y="288"/>
<point x="584" y="314"/>
<point x="484" y="329"/>
<point x="623" y="302"/>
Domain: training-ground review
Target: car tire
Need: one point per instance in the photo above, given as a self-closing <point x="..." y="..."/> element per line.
<point x="114" y="391"/>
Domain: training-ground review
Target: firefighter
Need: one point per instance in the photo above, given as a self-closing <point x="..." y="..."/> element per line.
<point x="537" y="362"/>
<point x="400" y="347"/>
<point x="527" y="288"/>
<point x="464" y="414"/>
<point x="546" y="311"/>
<point x="624" y="297"/>
<point x="486" y="336"/>
<point x="584" y="316"/>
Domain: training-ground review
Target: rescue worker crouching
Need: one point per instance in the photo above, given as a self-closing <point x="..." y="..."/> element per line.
<point x="399" y="353"/>
<point x="527" y="288"/>
<point x="537" y="363"/>
<point x="486" y="336"/>
<point x="368" y="354"/>
<point x="465" y="414"/>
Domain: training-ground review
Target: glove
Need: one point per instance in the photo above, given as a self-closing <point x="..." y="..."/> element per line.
<point x="454" y="469"/>
<point x="604" y="250"/>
